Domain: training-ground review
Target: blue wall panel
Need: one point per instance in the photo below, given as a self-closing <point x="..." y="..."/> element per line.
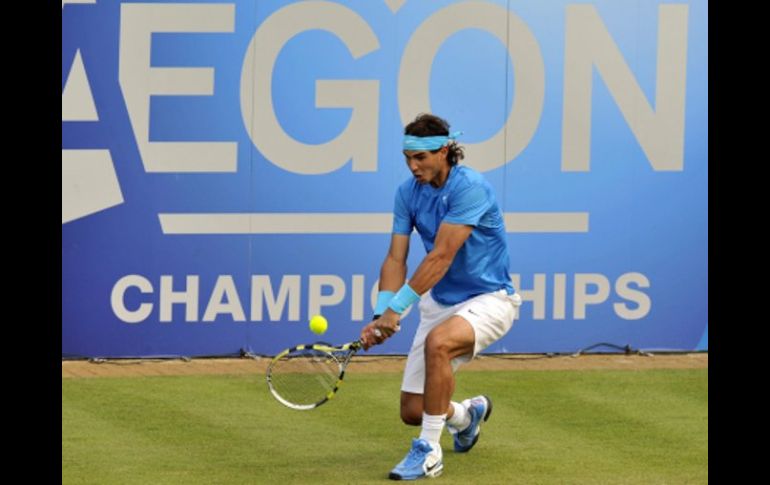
<point x="209" y="150"/>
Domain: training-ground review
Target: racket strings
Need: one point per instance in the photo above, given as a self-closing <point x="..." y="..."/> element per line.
<point x="305" y="377"/>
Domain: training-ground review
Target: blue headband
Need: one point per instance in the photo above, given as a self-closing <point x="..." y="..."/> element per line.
<point x="428" y="142"/>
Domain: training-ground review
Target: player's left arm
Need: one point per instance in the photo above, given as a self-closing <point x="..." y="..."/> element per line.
<point x="449" y="240"/>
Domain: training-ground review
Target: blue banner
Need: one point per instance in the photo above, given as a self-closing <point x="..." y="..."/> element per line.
<point x="228" y="168"/>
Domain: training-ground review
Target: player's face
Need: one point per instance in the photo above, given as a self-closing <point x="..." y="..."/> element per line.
<point x="427" y="167"/>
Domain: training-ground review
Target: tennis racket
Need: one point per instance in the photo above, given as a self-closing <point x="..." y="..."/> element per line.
<point x="306" y="376"/>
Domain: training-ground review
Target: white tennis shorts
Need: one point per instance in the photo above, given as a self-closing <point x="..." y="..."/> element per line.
<point x="491" y="315"/>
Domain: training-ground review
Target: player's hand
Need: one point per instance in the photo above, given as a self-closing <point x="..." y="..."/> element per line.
<point x="377" y="331"/>
<point x="389" y="323"/>
<point x="369" y="337"/>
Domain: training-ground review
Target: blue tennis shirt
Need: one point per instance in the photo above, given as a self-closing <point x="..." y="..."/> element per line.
<point x="481" y="264"/>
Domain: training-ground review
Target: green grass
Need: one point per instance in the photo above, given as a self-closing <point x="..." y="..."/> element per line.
<point x="623" y="427"/>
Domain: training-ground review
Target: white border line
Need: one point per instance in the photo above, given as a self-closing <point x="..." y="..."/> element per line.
<point x="348" y="223"/>
<point x="575" y="222"/>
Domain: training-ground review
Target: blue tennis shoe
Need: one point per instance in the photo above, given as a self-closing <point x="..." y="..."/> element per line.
<point x="421" y="461"/>
<point x="479" y="407"/>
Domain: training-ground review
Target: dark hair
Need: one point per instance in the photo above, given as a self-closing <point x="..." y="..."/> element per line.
<point x="427" y="124"/>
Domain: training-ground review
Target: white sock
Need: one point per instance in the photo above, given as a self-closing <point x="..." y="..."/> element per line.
<point x="461" y="419"/>
<point x="431" y="429"/>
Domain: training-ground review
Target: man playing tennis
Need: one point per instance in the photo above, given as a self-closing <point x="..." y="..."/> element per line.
<point x="471" y="302"/>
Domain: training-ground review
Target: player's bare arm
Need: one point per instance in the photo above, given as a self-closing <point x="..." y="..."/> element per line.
<point x="392" y="276"/>
<point x="449" y="240"/>
<point x="393" y="271"/>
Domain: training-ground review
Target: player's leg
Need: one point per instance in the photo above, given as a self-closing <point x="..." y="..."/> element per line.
<point x="423" y="460"/>
<point x="452" y="338"/>
<point x="432" y="314"/>
<point x="491" y="316"/>
<point x="412" y="408"/>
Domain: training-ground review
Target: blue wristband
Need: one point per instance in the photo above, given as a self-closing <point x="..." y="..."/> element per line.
<point x="383" y="298"/>
<point x="403" y="299"/>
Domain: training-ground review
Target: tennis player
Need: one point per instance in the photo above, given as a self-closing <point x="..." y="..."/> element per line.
<point x="468" y="301"/>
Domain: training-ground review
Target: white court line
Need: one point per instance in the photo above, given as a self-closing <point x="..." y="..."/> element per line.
<point x="347" y="223"/>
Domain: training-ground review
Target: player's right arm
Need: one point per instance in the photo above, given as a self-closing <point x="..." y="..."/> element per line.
<point x="392" y="277"/>
<point x="393" y="271"/>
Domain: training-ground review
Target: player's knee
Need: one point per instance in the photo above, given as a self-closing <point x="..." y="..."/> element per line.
<point x="436" y="345"/>
<point x="411" y="416"/>
<point x="411" y="409"/>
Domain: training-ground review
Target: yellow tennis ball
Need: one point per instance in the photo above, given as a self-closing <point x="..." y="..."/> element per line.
<point x="318" y="324"/>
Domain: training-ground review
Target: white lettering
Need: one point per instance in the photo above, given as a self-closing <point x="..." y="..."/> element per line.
<point x="584" y="298"/>
<point x="77" y="101"/>
<point x="88" y="180"/>
<point x="535" y="295"/>
<point x="359" y="140"/>
<point x="415" y="70"/>
<point x="139" y="81"/>
<point x="289" y="291"/>
<point x="117" y="298"/>
<point x="326" y="291"/>
<point x="316" y="298"/>
<point x="357" y="298"/>
<point x="188" y="298"/>
<point x="89" y="183"/>
<point x="660" y="131"/>
<point x="559" y="296"/>
<point x="642" y="300"/>
<point x="224" y="288"/>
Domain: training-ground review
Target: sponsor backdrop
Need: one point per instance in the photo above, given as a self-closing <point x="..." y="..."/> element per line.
<point x="228" y="168"/>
